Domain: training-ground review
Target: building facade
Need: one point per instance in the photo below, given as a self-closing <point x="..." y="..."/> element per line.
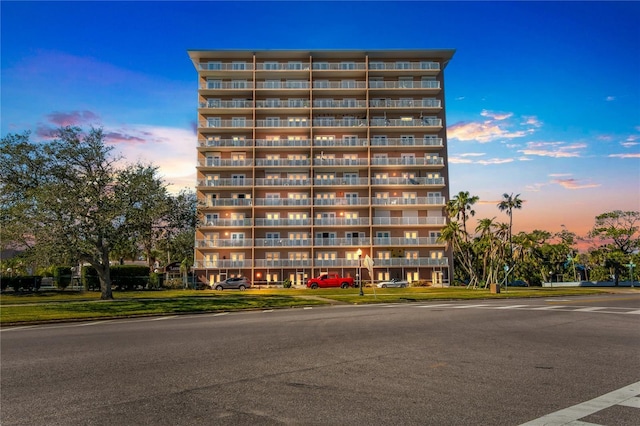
<point x="309" y="161"/>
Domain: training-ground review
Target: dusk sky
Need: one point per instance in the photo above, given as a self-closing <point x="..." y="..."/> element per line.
<point x="542" y="98"/>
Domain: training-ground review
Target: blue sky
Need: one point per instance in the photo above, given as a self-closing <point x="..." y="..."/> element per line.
<point x="543" y="98"/>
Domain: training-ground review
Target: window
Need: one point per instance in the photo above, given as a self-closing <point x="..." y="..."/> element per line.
<point x="348" y="84"/>
<point x="296" y="84"/>
<point x="213" y="103"/>
<point x="429" y="65"/>
<point x="405" y="82"/>
<point x="347" y="65"/>
<point x="214" y="122"/>
<point x="407" y="140"/>
<point x="214" y="65"/>
<point x="321" y="84"/>
<point x="272" y="84"/>
<point x="272" y="122"/>
<point x="321" y="66"/>
<point x="238" y="122"/>
<point x="214" y="84"/>
<point x="376" y="82"/>
<point x="239" y="84"/>
<point x="297" y="122"/>
<point x="271" y="65"/>
<point x="294" y="65"/>
<point x="238" y="65"/>
<point x="403" y="65"/>
<point x="296" y="103"/>
<point x="376" y="65"/>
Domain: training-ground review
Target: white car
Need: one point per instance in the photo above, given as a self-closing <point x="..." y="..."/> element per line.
<point x="393" y="283"/>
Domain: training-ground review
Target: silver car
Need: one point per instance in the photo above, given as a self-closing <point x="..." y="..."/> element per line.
<point x="238" y="283"/>
<point x="393" y="283"/>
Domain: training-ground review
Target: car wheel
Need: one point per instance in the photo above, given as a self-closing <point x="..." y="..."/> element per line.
<point x="242" y="288"/>
<point x="344" y="285"/>
<point x="314" y="286"/>
<point x="402" y="286"/>
<point x="219" y="287"/>
<point x="384" y="286"/>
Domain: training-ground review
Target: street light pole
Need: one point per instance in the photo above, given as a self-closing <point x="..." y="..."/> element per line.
<point x="359" y="253"/>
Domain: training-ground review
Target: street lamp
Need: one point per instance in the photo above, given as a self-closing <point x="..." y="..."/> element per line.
<point x="631" y="265"/>
<point x="359" y="253"/>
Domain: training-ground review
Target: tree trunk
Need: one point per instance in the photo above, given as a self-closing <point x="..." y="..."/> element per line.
<point x="104" y="275"/>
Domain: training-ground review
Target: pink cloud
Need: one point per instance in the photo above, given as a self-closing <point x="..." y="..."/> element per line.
<point x="496" y="115"/>
<point x="571" y="183"/>
<point x="73" y="118"/>
<point x="631" y="155"/>
<point x="114" y="137"/>
<point x="481" y="132"/>
<point x="553" y="149"/>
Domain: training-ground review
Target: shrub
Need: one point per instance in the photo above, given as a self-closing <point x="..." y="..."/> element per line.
<point x="62" y="276"/>
<point x="90" y="278"/>
<point x="286" y="283"/>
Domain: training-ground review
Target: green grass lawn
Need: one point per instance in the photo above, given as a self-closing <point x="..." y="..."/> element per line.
<point x="67" y="306"/>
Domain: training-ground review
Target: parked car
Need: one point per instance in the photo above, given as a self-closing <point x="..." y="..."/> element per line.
<point x="518" y="283"/>
<point x="331" y="279"/>
<point x="393" y="283"/>
<point x="239" y="283"/>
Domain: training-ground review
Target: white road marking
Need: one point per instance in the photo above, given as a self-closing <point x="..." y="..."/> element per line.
<point x="570" y="416"/>
<point x="548" y="308"/>
<point x="632" y="402"/>
<point x="468" y="306"/>
<point x="589" y="309"/>
<point x="442" y="305"/>
<point x="512" y="307"/>
<point x="634" y="312"/>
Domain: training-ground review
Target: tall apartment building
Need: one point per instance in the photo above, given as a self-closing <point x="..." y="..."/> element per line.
<point x="308" y="161"/>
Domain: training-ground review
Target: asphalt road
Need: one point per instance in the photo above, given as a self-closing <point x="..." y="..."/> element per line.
<point x="503" y="362"/>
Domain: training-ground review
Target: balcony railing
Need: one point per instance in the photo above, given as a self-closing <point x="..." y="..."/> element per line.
<point x="344" y="122"/>
<point x="346" y="84"/>
<point x="430" y="84"/>
<point x="226" y="104"/>
<point x="407" y="181"/>
<point x="282" y="85"/>
<point x="399" y="241"/>
<point x="282" y="123"/>
<point x="223" y="264"/>
<point x="282" y="182"/>
<point x="228" y="222"/>
<point x="341" y="181"/>
<point x="424" y="65"/>
<point x="407" y="161"/>
<point x="338" y="221"/>
<point x="283" y="201"/>
<point x="409" y="221"/>
<point x="225" y="182"/>
<point x="341" y="142"/>
<point x="283" y="142"/>
<point x="340" y="161"/>
<point x="338" y="66"/>
<point x="398" y="122"/>
<point x="283" y="242"/>
<point x="239" y="242"/>
<point x="283" y="263"/>
<point x="214" y="162"/>
<point x="347" y="103"/>
<point x="283" y="103"/>
<point x="218" y="66"/>
<point x="421" y="261"/>
<point x="225" y="142"/>
<point x="428" y="141"/>
<point x="282" y="222"/>
<point x="343" y="201"/>
<point x="365" y="241"/>
<point x="226" y="123"/>
<point x="232" y="202"/>
<point x="405" y="103"/>
<point x="264" y="162"/>
<point x="226" y="85"/>
<point x="407" y="201"/>
<point x="275" y="66"/>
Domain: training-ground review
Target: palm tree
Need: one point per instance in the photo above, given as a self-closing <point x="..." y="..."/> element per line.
<point x="460" y="207"/>
<point x="509" y="203"/>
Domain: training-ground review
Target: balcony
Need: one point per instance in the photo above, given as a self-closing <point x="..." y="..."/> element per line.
<point x="283" y="103"/>
<point x="405" y="103"/>
<point x="282" y="182"/>
<point x="427" y="141"/>
<point x="428" y="84"/>
<point x="228" y="222"/>
<point x="220" y="124"/>
<point x="346" y="84"/>
<point x="357" y="242"/>
<point x="228" y="202"/>
<point x="232" y="242"/>
<point x="223" y="264"/>
<point x="333" y="263"/>
<point x="340" y="142"/>
<point x="283" y="85"/>
<point x="346" y="103"/>
<point x="401" y="242"/>
<point x="283" y="263"/>
<point x="403" y="201"/>
<point x="390" y="221"/>
<point x="219" y="66"/>
<point x="268" y="143"/>
<point x="225" y="182"/>
<point x="282" y="222"/>
<point x="407" y="181"/>
<point x="283" y="242"/>
<point x="226" y="104"/>
<point x="341" y="182"/>
<point x="407" y="161"/>
<point x="276" y="66"/>
<point x="215" y="162"/>
<point x="233" y="143"/>
<point x="421" y="261"/>
<point x="338" y="66"/>
<point x="344" y="122"/>
<point x="340" y="162"/>
<point x="282" y="202"/>
<point x="402" y="65"/>
<point x="226" y="85"/>
<point x="343" y="201"/>
<point x="283" y="123"/>
<point x="339" y="221"/>
<point x="413" y="122"/>
<point x="264" y="162"/>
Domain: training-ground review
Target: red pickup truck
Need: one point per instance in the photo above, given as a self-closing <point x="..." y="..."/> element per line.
<point x="330" y="280"/>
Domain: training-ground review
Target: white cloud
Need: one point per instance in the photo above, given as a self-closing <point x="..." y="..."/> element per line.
<point x="496" y="115"/>
<point x="553" y="149"/>
<point x="631" y="155"/>
<point x="610" y="98"/>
